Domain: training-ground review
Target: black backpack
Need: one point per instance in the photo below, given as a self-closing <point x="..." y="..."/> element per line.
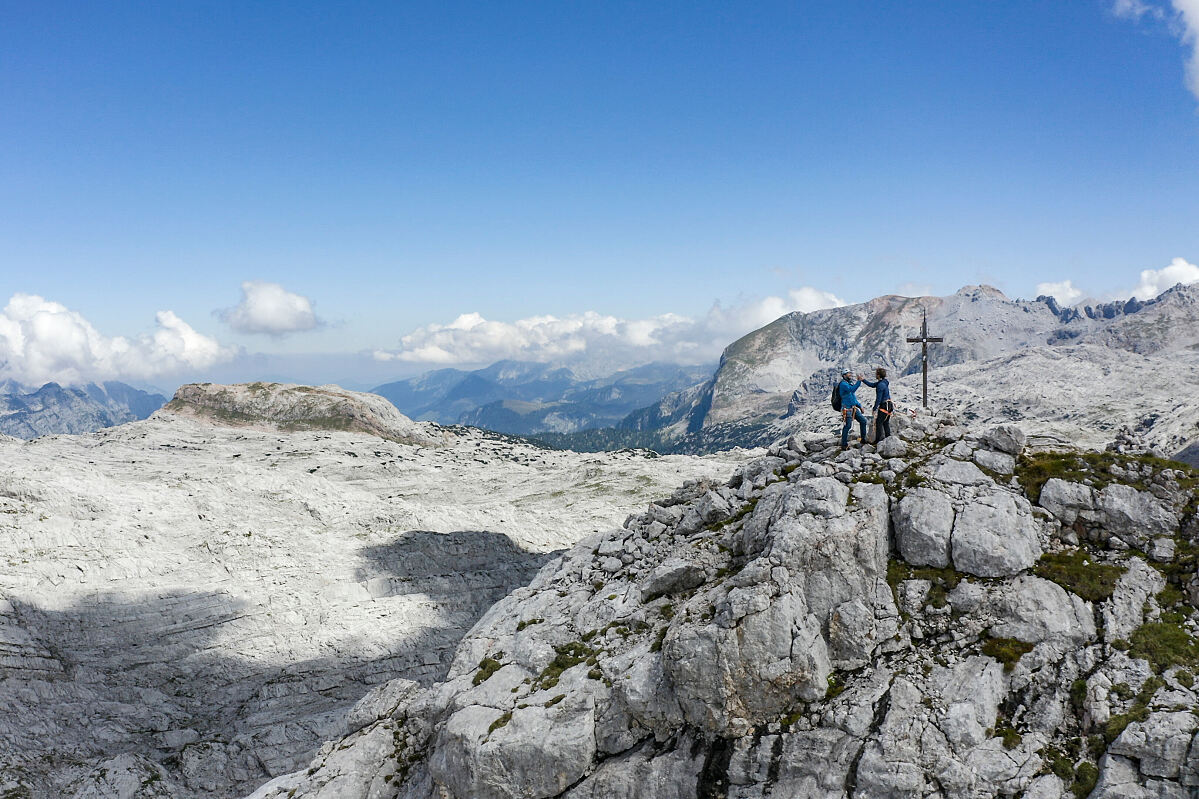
<point x="836" y="399"/>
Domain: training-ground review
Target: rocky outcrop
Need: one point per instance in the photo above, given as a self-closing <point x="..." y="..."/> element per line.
<point x="289" y="408"/>
<point x="864" y="627"/>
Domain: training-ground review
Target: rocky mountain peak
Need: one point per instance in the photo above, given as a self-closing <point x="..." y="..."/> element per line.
<point x="27" y="412"/>
<point x="792" y="362"/>
<point x="954" y="613"/>
<point x="980" y="291"/>
<point x="288" y="407"/>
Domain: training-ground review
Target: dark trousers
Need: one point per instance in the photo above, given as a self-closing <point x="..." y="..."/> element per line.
<point x="882" y="425"/>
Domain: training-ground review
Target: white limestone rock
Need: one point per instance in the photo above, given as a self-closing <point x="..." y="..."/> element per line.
<point x="1034" y="610"/>
<point x="1066" y="500"/>
<point x="892" y="447"/>
<point x="959" y="472"/>
<point x="1124" y="612"/>
<point x="1135" y="516"/>
<point x="923" y="524"/>
<point x="992" y="537"/>
<point x="998" y="462"/>
<point x="1007" y="438"/>
<point x="1159" y="744"/>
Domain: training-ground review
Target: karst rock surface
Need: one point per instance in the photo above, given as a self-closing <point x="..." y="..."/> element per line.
<point x="191" y="605"/>
<point x="829" y="624"/>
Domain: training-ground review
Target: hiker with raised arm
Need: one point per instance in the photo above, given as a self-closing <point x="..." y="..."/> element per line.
<point x="850" y="407"/>
<point x="883" y="406"/>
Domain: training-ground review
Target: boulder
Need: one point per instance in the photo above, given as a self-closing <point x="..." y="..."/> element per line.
<point x="1159" y="743"/>
<point x="960" y="473"/>
<point x="728" y="680"/>
<point x="486" y="754"/>
<point x="1135" y="516"/>
<point x="991" y="538"/>
<point x="1124" y="612"/>
<point x="923" y="524"/>
<point x="999" y="462"/>
<point x="892" y="447"/>
<point x="1066" y="500"/>
<point x="1005" y="438"/>
<point x="1034" y="610"/>
<point x="672" y="576"/>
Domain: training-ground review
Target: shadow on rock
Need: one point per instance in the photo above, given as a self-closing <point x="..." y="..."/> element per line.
<point x="207" y="686"/>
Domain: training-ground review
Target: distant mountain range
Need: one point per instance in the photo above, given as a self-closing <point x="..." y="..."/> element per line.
<point x="26" y="412"/>
<point x="524" y="398"/>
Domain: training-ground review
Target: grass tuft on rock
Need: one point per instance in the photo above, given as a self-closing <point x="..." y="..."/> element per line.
<point x="946" y="579"/>
<point x="1007" y="651"/>
<point x="1163" y="644"/>
<point x="1085" y="778"/>
<point x="502" y="721"/>
<point x="1077" y="573"/>
<point x="1034" y="470"/>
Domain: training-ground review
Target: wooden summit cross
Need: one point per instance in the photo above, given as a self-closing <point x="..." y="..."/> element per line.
<point x="924" y="339"/>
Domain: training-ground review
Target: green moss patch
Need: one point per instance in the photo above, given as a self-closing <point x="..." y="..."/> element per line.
<point x="1138" y="712"/>
<point x="1007" y="651"/>
<point x="487" y="667"/>
<point x="565" y="657"/>
<point x="1077" y="573"/>
<point x="1011" y="739"/>
<point x="1058" y="763"/>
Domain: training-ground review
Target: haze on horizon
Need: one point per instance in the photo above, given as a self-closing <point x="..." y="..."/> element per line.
<point x="293" y="191"/>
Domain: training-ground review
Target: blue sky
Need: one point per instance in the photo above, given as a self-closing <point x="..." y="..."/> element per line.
<point x="397" y="166"/>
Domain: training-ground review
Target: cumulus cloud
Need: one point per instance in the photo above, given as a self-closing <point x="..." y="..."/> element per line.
<point x="1183" y="19"/>
<point x="1065" y="292"/>
<point x="43" y="341"/>
<point x="269" y="308"/>
<point x="1155" y="281"/>
<point x="473" y="339"/>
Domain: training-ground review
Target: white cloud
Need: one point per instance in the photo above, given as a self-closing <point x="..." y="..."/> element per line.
<point x="1135" y="9"/>
<point x="43" y="341"/>
<point x="269" y="308"/>
<point x="1155" y="281"/>
<point x="1183" y="18"/>
<point x="1065" y="292"/>
<point x="471" y="339"/>
<point x="1188" y="16"/>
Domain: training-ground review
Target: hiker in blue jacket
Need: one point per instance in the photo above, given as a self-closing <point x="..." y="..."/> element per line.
<point x="883" y="406"/>
<point x="850" y="407"/>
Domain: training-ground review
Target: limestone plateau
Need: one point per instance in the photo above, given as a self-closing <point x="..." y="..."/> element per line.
<point x="192" y="604"/>
<point x="962" y="613"/>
